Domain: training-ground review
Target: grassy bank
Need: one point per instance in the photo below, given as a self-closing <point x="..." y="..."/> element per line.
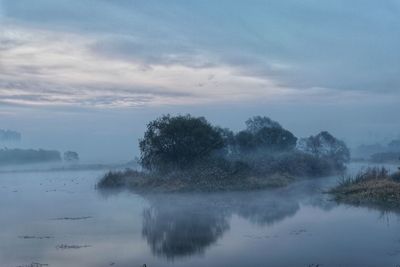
<point x="371" y="187"/>
<point x="222" y="175"/>
<point x="193" y="181"/>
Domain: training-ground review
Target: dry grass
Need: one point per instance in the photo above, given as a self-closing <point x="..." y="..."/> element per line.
<point x="374" y="186"/>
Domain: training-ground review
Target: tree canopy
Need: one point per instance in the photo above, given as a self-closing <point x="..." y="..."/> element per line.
<point x="180" y="142"/>
<point x="256" y="123"/>
<point x="177" y="142"/>
<point x="325" y="145"/>
<point x="262" y="133"/>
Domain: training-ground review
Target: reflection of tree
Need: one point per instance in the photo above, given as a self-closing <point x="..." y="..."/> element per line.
<point x="182" y="225"/>
<point x="177" y="233"/>
<point x="268" y="211"/>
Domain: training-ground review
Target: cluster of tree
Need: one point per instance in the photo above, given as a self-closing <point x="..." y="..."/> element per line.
<point x="71" y="156"/>
<point x="181" y="142"/>
<point x="9" y="136"/>
<point x="324" y="145"/>
<point x="25" y="156"/>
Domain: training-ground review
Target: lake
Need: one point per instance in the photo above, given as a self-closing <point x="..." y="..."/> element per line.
<point x="60" y="219"/>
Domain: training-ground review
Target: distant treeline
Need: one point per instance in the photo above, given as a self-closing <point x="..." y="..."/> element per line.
<point x="379" y="153"/>
<point x="9" y="136"/>
<point x="26" y="156"/>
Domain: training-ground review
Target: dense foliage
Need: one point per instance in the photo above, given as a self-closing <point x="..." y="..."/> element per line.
<point x="266" y="138"/>
<point x="185" y="153"/>
<point x="324" y="145"/>
<point x="264" y="147"/>
<point x="178" y="142"/>
<point x="257" y="123"/>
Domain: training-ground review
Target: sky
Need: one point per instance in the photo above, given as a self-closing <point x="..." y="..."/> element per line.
<point x="88" y="75"/>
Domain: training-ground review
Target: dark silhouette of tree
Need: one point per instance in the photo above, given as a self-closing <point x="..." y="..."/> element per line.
<point x="178" y="142"/>
<point x="256" y="123"/>
<point x="174" y="233"/>
<point x="262" y="133"/>
<point x="246" y="141"/>
<point x="325" y="145"/>
<point x="71" y="156"/>
<point x="276" y="138"/>
<point x="229" y="142"/>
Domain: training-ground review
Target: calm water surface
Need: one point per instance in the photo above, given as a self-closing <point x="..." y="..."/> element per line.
<point x="60" y="219"/>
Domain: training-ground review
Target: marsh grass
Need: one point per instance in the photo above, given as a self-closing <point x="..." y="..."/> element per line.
<point x="369" y="174"/>
<point x="372" y="186"/>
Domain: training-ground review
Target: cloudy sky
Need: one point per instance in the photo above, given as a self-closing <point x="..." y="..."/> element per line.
<point x="89" y="74"/>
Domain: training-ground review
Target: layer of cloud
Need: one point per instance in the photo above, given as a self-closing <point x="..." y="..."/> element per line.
<point x="43" y="67"/>
<point x="129" y="53"/>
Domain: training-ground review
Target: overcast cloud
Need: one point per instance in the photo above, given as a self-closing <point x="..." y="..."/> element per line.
<point x="270" y="57"/>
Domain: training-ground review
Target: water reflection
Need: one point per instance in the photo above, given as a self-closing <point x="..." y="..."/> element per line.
<point x="176" y="233"/>
<point x="181" y="225"/>
<point x="225" y="229"/>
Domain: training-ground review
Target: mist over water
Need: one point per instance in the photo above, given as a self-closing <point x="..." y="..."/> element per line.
<point x="86" y="77"/>
<point x="48" y="217"/>
<point x="111" y="136"/>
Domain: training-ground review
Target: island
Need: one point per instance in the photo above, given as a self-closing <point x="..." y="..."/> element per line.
<point x="187" y="153"/>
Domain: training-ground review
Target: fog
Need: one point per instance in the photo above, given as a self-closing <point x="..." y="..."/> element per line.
<point x="111" y="136"/>
<point x="88" y="76"/>
<point x="81" y="80"/>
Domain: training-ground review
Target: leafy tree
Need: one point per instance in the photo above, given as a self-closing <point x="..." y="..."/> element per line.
<point x="178" y="142"/>
<point x="256" y="123"/>
<point x="246" y="141"/>
<point x="325" y="145"/>
<point x="229" y="141"/>
<point x="264" y="133"/>
<point x="276" y="138"/>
